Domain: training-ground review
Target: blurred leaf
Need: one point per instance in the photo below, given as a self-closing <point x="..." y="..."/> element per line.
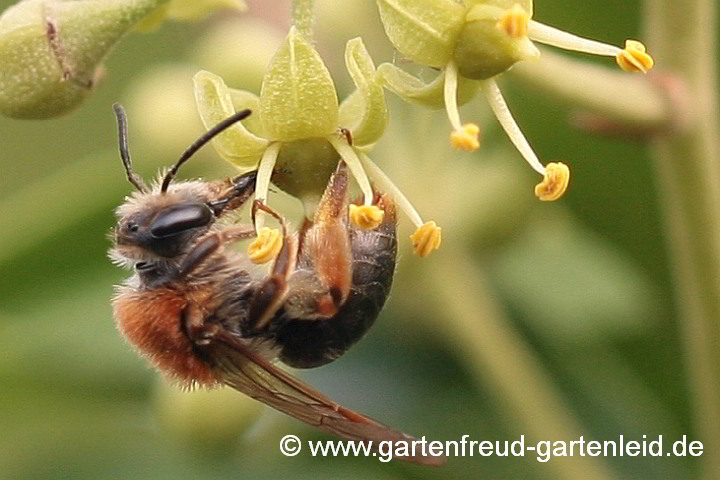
<point x="569" y="285"/>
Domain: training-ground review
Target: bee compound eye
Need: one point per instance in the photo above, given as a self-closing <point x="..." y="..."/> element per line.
<point x="180" y="218"/>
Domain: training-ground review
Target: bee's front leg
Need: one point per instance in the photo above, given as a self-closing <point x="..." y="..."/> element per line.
<point x="211" y="244"/>
<point x="272" y="293"/>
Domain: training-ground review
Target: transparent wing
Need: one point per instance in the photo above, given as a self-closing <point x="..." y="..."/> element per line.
<point x="244" y="370"/>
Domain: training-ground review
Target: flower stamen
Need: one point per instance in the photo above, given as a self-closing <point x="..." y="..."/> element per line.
<point x="466" y="138"/>
<point x="347" y="153"/>
<point x="426" y="239"/>
<point x="502" y="113"/>
<point x="554" y="183"/>
<point x="567" y="41"/>
<point x="262" y="181"/>
<point x="463" y="137"/>
<point x="386" y="185"/>
<point x="515" y="22"/>
<point x="367" y="217"/>
<point x="634" y="57"/>
<point x="266" y="246"/>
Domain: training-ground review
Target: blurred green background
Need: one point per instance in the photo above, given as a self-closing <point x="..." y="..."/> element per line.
<point x="536" y="319"/>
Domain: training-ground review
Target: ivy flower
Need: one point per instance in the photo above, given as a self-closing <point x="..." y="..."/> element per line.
<point x="298" y="132"/>
<point x="472" y="41"/>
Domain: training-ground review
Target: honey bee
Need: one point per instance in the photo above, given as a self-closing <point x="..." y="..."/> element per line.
<point x="198" y="312"/>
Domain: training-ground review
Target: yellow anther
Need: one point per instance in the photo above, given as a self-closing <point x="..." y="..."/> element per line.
<point x="266" y="246"/>
<point x="555" y="182"/>
<point x="634" y="58"/>
<point x="426" y="239"/>
<point x="367" y="217"/>
<point x="466" y="138"/>
<point x="515" y="22"/>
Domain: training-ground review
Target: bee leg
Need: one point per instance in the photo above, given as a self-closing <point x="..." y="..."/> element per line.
<point x="210" y="244"/>
<point x="238" y="192"/>
<point x="272" y="292"/>
<point x="326" y="246"/>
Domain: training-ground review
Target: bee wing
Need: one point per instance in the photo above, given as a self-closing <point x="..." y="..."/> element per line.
<point x="239" y="367"/>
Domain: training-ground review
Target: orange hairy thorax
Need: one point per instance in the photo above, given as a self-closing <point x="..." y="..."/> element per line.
<point x="152" y="323"/>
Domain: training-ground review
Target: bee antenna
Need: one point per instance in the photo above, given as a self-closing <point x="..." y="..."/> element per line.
<point x="124" y="150"/>
<point x="197" y="144"/>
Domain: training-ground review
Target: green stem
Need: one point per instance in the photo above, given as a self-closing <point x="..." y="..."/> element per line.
<point x="302" y="17"/>
<point x="499" y="356"/>
<point x="683" y="37"/>
<point x="630" y="100"/>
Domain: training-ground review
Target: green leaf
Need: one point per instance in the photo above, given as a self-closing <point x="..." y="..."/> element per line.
<point x="364" y="112"/>
<point x="215" y="103"/>
<point x="298" y="98"/>
<point x="571" y="286"/>
<point x="428" y="94"/>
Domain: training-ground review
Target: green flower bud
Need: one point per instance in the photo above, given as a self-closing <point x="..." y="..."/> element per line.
<point x="51" y="51"/>
<point x="484" y="50"/>
<point x="425" y="31"/>
<point x="298" y="98"/>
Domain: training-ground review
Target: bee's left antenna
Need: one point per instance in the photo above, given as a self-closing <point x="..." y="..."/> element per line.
<point x="124" y="151"/>
<point x="197" y="144"/>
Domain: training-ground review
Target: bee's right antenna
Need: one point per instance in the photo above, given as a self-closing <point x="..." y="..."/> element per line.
<point x="124" y="151"/>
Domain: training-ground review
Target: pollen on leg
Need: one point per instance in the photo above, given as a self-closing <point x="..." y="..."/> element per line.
<point x="266" y="246"/>
<point x="634" y="57"/>
<point x="367" y="217"/>
<point x="426" y="239"/>
<point x="554" y="183"/>
<point x="515" y="22"/>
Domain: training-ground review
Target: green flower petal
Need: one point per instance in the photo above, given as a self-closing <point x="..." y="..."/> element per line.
<point x="364" y="112"/>
<point x="50" y="51"/>
<point x="242" y="99"/>
<point x="428" y="94"/>
<point x="423" y="30"/>
<point x="215" y="103"/>
<point x="298" y="98"/>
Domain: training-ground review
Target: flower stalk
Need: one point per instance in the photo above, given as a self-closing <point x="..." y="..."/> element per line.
<point x="302" y="17"/>
<point x="689" y="179"/>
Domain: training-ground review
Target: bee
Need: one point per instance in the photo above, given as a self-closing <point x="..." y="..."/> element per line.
<point x="199" y="312"/>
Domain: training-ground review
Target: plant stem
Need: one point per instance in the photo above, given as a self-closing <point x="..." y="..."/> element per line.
<point x="302" y="17"/>
<point x="498" y="355"/>
<point x="683" y="36"/>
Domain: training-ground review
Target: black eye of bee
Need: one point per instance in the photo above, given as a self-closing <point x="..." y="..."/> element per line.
<point x="132" y="226"/>
<point x="180" y="218"/>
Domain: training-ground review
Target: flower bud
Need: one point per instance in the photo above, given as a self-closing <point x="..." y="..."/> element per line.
<point x="51" y="51"/>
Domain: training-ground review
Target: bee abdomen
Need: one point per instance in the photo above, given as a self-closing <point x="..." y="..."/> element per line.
<point x="308" y="343"/>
